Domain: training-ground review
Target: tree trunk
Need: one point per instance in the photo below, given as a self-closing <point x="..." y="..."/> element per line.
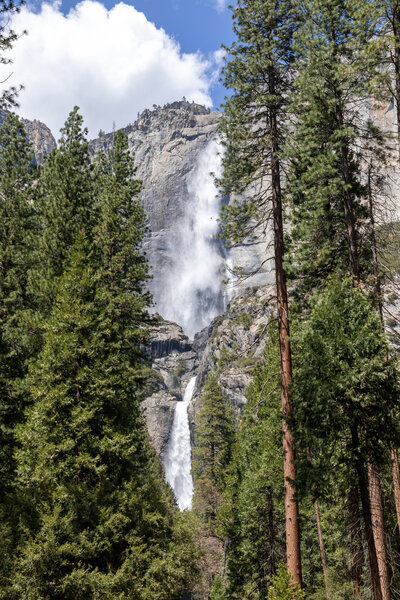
<point x="396" y="483"/>
<point x="366" y="510"/>
<point x="375" y="491"/>
<point x="321" y="546"/>
<point x="289" y="468"/>
<point x="396" y="63"/>
<point x="378" y="529"/>
<point x="356" y="540"/>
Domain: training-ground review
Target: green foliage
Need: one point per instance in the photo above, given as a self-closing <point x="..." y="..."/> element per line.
<point x="98" y="520"/>
<point x="17" y="226"/>
<point x="154" y="382"/>
<point x="66" y="205"/>
<point x="344" y="389"/>
<point x="258" y="72"/>
<point x="215" y="432"/>
<point x="388" y="238"/>
<point x="8" y="97"/>
<point x="326" y="189"/>
<point x="283" y="588"/>
<point x="217" y="591"/>
<point x="251" y="515"/>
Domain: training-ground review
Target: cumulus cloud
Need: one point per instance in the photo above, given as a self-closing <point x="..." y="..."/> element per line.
<point x="111" y="63"/>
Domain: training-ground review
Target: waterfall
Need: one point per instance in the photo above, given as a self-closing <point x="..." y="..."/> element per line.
<point x="192" y="292"/>
<point x="192" y="296"/>
<point x="177" y="459"/>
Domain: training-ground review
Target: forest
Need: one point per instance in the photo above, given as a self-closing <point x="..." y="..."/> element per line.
<point x="297" y="497"/>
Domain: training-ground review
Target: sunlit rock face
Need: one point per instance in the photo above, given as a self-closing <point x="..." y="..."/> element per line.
<point x="177" y="156"/>
<point x="175" y="152"/>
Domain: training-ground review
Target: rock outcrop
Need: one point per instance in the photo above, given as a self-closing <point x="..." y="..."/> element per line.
<point x="232" y="345"/>
<point x="38" y="134"/>
<point x="173" y="360"/>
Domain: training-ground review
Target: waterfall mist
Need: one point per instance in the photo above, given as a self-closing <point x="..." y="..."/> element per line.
<point x="192" y="291"/>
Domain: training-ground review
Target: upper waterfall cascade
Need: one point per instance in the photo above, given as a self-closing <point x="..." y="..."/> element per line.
<point x="177" y="460"/>
<point x="193" y="293"/>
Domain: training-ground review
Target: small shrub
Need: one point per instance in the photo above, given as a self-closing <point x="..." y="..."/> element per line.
<point x="283" y="588"/>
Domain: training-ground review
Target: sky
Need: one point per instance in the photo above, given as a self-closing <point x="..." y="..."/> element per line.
<point x="113" y="58"/>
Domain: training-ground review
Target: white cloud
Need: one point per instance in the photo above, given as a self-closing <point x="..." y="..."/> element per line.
<point x="220" y="5"/>
<point x="111" y="64"/>
<point x="219" y="57"/>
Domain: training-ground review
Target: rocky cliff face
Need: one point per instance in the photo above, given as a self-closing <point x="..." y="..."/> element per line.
<point x="166" y="142"/>
<point x="38" y="134"/>
<point x="169" y="145"/>
<point x="232" y="344"/>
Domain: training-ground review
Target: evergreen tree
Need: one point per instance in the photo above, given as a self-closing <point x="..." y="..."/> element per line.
<point x="66" y="205"/>
<point x="17" y="225"/>
<point x="326" y="189"/>
<point x="345" y="396"/>
<point x="252" y="513"/>
<point x="102" y="523"/>
<point x="118" y="238"/>
<point x="215" y="430"/>
<point x="260" y="73"/>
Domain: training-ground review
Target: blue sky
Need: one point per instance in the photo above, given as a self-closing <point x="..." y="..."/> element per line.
<point x="115" y="59"/>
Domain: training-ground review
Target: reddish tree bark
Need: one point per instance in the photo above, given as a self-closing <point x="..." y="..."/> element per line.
<point x="396" y="483"/>
<point x="378" y="529"/>
<point x="289" y="468"/>
<point x="375" y="490"/>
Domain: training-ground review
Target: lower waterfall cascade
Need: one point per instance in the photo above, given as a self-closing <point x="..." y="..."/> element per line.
<point x="177" y="459"/>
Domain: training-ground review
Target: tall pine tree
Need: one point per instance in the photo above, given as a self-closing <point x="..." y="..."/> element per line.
<point x="17" y="227"/>
<point x="259" y="72"/>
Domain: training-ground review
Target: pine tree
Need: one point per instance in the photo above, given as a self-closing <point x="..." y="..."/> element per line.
<point x="215" y="430"/>
<point x="102" y="522"/>
<point x="66" y="204"/>
<point x="345" y="395"/>
<point x="119" y="235"/>
<point x="260" y="73"/>
<point x="17" y="226"/>
<point x="326" y="187"/>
